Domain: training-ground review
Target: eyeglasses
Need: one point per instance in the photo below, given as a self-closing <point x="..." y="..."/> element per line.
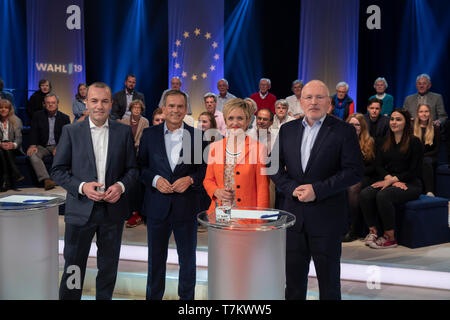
<point x="310" y="98"/>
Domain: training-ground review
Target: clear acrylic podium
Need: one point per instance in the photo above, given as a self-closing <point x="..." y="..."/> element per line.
<point x="29" y="264"/>
<point x="247" y="256"/>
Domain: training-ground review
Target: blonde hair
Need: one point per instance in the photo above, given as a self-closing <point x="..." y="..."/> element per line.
<point x="237" y="103"/>
<point x="11" y="114"/>
<point x="366" y="142"/>
<point x="429" y="129"/>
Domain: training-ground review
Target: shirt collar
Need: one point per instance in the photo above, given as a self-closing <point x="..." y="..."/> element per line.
<point x="317" y="123"/>
<point x="166" y="130"/>
<point x="263" y="96"/>
<point x="93" y="126"/>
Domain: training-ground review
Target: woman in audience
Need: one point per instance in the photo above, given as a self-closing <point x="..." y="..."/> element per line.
<point x="79" y="109"/>
<point x="10" y="146"/>
<point x="253" y="107"/>
<point x="138" y="123"/>
<point x="367" y="145"/>
<point x="429" y="134"/>
<point x="157" y="117"/>
<point x="380" y="86"/>
<point x="398" y="166"/>
<point x="235" y="175"/>
<point x="207" y="121"/>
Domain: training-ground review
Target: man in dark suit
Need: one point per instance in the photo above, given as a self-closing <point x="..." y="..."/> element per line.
<point x="319" y="158"/>
<point x="172" y="171"/>
<point x="46" y="127"/>
<point x="96" y="164"/>
<point x="123" y="98"/>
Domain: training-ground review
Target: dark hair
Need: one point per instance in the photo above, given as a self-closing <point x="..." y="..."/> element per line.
<point x="42" y="81"/>
<point x="2" y="84"/>
<point x="375" y="100"/>
<point x="389" y="141"/>
<point x="156" y="112"/>
<point x="130" y="75"/>
<point x="77" y="96"/>
<point x="174" y="93"/>
<point x="270" y="112"/>
<point x="211" y="118"/>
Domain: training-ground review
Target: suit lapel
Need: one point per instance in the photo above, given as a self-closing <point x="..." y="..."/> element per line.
<point x="112" y="133"/>
<point x="162" y="147"/>
<point x="298" y="136"/>
<point x="86" y="130"/>
<point x="321" y="136"/>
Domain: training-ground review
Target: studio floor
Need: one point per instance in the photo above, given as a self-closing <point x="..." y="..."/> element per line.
<point x="427" y="268"/>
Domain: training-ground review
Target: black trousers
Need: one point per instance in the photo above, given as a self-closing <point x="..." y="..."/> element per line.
<point x="326" y="254"/>
<point x="77" y="242"/>
<point x="428" y="173"/>
<point x="381" y="203"/>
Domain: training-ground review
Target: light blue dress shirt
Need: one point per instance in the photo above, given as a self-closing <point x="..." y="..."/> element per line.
<point x="308" y="139"/>
<point x="174" y="143"/>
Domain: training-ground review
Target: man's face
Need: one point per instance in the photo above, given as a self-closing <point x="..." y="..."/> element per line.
<point x="315" y="101"/>
<point x="210" y="105"/>
<point x="281" y="111"/>
<point x="45" y="87"/>
<point x="341" y="92"/>
<point x="175" y="84"/>
<point x="99" y="104"/>
<point x="263" y="119"/>
<point x="174" y="110"/>
<point x="423" y="85"/>
<point x="51" y="104"/>
<point x="264" y="86"/>
<point x="297" y="89"/>
<point x="130" y="83"/>
<point x="222" y="87"/>
<point x="374" y="110"/>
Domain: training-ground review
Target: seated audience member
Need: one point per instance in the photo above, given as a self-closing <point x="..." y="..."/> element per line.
<point x="123" y="98"/>
<point x="206" y="121"/>
<point x="79" y="109"/>
<point x="36" y="101"/>
<point x="252" y="105"/>
<point x="424" y="96"/>
<point x="10" y="146"/>
<point x="281" y="114"/>
<point x="262" y="132"/>
<point x="5" y="94"/>
<point x="138" y="123"/>
<point x="175" y="84"/>
<point x="429" y="134"/>
<point x="380" y="86"/>
<point x="367" y="145"/>
<point x="295" y="110"/>
<point x="157" y="116"/>
<point x="210" y="100"/>
<point x="343" y="104"/>
<point x="378" y="124"/>
<point x="46" y="129"/>
<point x="264" y="99"/>
<point x="224" y="95"/>
<point x="398" y="166"/>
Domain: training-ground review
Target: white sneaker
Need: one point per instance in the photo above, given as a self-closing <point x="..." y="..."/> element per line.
<point x="430" y="194"/>
<point x="370" y="238"/>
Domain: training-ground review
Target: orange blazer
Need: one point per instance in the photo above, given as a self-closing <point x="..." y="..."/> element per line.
<point x="251" y="183"/>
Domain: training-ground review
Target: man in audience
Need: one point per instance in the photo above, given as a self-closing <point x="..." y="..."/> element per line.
<point x="36" y="101"/>
<point x="281" y="114"/>
<point x="377" y="123"/>
<point x="224" y="95"/>
<point x="295" y="110"/>
<point x="5" y="94"/>
<point x="424" y="96"/>
<point x="46" y="128"/>
<point x="264" y="99"/>
<point x="343" y="104"/>
<point x="123" y="98"/>
<point x="210" y="104"/>
<point x="175" y="84"/>
<point x="262" y="132"/>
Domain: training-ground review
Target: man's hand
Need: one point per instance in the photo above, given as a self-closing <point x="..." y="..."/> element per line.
<point x="32" y="150"/>
<point x="113" y="193"/>
<point x="54" y="151"/>
<point x="305" y="193"/>
<point x="437" y="123"/>
<point x="90" y="192"/>
<point x="181" y="184"/>
<point x="164" y="186"/>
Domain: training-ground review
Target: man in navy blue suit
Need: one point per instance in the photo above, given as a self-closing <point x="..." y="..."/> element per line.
<point x="172" y="171"/>
<point x="96" y="164"/>
<point x="319" y="158"/>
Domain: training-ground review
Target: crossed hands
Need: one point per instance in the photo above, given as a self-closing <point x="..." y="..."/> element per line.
<point x="304" y="193"/>
<point x="178" y="186"/>
<point x="389" y="181"/>
<point x="111" y="195"/>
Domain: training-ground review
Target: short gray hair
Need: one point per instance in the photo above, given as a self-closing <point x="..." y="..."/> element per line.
<point x="224" y="80"/>
<point x="342" y="84"/>
<point x="51" y="94"/>
<point x="297" y="82"/>
<point x="265" y="79"/>
<point x="381" y="79"/>
<point x="283" y="102"/>
<point x="210" y="95"/>
<point x="423" y="75"/>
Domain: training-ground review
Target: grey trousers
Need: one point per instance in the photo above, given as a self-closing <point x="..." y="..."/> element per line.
<point x="38" y="164"/>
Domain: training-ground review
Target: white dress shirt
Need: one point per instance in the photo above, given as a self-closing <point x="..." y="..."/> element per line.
<point x="309" y="138"/>
<point x="221" y="101"/>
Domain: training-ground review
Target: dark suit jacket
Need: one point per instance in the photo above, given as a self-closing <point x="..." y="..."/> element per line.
<point x="152" y="160"/>
<point x="39" y="127"/>
<point x="74" y="163"/>
<point x="119" y="106"/>
<point x="334" y="165"/>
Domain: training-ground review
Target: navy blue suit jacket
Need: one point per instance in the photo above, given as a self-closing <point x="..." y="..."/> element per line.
<point x="74" y="162"/>
<point x="152" y="160"/>
<point x="334" y="165"/>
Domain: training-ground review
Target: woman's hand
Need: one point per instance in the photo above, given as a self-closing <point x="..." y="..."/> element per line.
<point x="400" y="185"/>
<point x="224" y="194"/>
<point x="381" y="184"/>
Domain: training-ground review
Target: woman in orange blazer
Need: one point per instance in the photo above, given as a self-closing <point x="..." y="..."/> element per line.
<point x="235" y="175"/>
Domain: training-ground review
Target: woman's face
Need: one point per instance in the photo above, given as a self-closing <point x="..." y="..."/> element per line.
<point x="236" y="121"/>
<point x="136" y="110"/>
<point x="397" y="122"/>
<point x="159" y="118"/>
<point x="4" y="110"/>
<point x="355" y="122"/>
<point x="204" y="123"/>
<point x="423" y="113"/>
<point x="82" y="91"/>
<point x="45" y="87"/>
<point x="380" y="87"/>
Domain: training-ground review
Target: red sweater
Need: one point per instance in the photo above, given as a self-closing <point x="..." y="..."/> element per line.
<point x="267" y="103"/>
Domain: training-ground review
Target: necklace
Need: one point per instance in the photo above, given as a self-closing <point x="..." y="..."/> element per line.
<point x="232" y="154"/>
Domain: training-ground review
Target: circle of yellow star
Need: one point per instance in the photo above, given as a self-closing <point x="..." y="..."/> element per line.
<point x="212" y="67"/>
<point x="194" y="77"/>
<point x="197" y="32"/>
<point x="184" y="74"/>
<point x="214" y="45"/>
<point x="204" y="75"/>
<point x="186" y="34"/>
<point x="208" y="35"/>
<point x="174" y="54"/>
<point x="178" y="43"/>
